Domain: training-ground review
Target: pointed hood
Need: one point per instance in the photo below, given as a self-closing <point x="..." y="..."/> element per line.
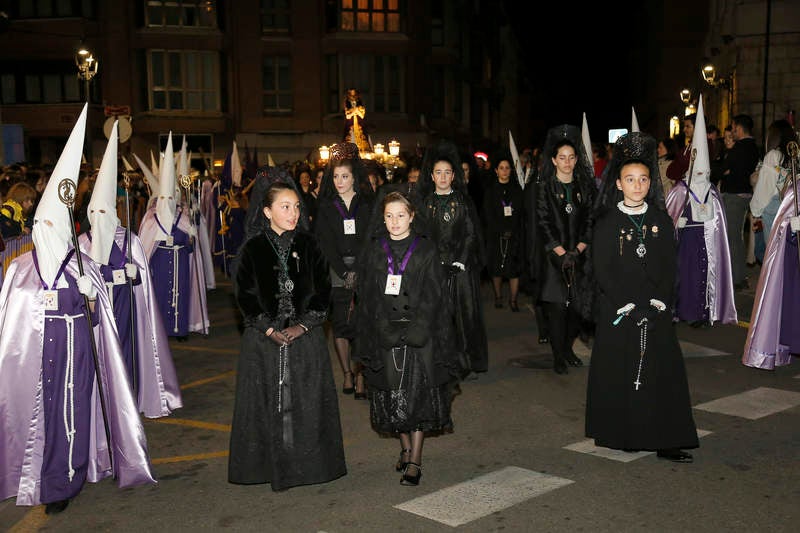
<point x="52" y="234"/>
<point x="149" y="178"/>
<point x="270" y="162"/>
<point x="102" y="208"/>
<point x="587" y="141"/>
<point x="183" y="159"/>
<point x="154" y="164"/>
<point x="700" y="180"/>
<point x="634" y="120"/>
<point x="236" y="167"/>
<point x="126" y="164"/>
<point x="166" y="205"/>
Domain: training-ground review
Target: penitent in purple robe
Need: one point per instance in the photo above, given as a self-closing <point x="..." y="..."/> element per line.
<point x="42" y="351"/>
<point x="705" y="283"/>
<point x="188" y="276"/>
<point x="774" y="332"/>
<point x="157" y="391"/>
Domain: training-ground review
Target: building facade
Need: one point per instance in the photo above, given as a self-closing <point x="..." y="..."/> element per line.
<point x="269" y="74"/>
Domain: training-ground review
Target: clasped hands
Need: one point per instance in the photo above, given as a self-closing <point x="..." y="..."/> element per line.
<point x="286" y="335"/>
<point x="643" y="316"/>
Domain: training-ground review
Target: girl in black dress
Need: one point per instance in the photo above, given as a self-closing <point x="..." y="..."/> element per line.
<point x="405" y="335"/>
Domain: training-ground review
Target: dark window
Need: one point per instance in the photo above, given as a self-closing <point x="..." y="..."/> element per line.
<point x="32" y="9"/>
<point x="276" y="75"/>
<point x="184" y="80"/>
<point x="379" y="79"/>
<point x="180" y="13"/>
<point x="276" y="16"/>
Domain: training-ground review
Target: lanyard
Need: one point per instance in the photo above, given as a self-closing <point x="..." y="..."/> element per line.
<point x="390" y="258"/>
<point x="124" y="241"/>
<point x="568" y="191"/>
<point x="60" y="270"/>
<point x="696" y="199"/>
<point x="174" y="225"/>
<point x="340" y="207"/>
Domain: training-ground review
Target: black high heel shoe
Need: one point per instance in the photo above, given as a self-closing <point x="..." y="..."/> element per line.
<point x="351" y="389"/>
<point x="407" y="478"/>
<point x="362" y="394"/>
<point x="401" y="464"/>
<point x="56" y="507"/>
<point x="514" y="307"/>
<point x="573" y="360"/>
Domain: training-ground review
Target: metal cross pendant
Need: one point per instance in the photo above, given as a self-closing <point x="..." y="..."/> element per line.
<point x="637" y="383"/>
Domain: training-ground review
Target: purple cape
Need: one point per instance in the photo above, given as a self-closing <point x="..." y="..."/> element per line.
<point x="21" y="405"/>
<point x="763" y="348"/>
<point x="159" y="391"/>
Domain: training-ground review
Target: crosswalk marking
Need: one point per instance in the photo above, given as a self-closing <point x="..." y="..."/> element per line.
<point x="753" y="404"/>
<point x="587" y="446"/>
<point x="462" y="503"/>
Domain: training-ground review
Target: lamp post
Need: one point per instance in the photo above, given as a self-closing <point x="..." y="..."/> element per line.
<point x="711" y="77"/>
<point x="87" y="69"/>
<point x="324" y="155"/>
<point x="686" y="98"/>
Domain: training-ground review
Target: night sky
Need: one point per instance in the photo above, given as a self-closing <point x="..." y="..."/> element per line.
<point x="580" y="56"/>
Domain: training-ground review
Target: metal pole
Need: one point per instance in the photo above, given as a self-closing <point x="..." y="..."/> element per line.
<point x="793" y="150"/>
<point x="66" y="193"/>
<point x="766" y="76"/>
<point x="128" y="233"/>
<point x="186" y="183"/>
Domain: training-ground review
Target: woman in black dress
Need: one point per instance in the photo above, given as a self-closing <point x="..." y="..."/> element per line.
<point x="638" y="395"/>
<point x="286" y="429"/>
<point x="505" y="232"/>
<point x="564" y="205"/>
<point x="405" y="337"/>
<point x="451" y="219"/>
<point x="343" y="213"/>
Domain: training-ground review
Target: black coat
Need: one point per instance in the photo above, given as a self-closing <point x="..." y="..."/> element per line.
<point x="429" y="329"/>
<point x="558" y="227"/>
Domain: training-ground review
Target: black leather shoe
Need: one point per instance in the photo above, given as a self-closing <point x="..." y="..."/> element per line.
<point x="560" y="367"/>
<point x="675" y="455"/>
<point x="351" y="389"/>
<point x="408" y="479"/>
<point x="573" y="360"/>
<point x="514" y="307"/>
<point x="543" y="339"/>
<point x="498" y="303"/>
<point x="56" y="507"/>
<point x="360" y="395"/>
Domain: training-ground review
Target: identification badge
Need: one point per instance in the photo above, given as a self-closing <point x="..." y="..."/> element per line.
<point x="51" y="300"/>
<point x="170" y="240"/>
<point x="507" y="210"/>
<point x="682" y="222"/>
<point x="349" y="226"/>
<point x="119" y="276"/>
<point x="393" y="282"/>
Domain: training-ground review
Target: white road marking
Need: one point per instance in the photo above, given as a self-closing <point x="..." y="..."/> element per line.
<point x="753" y="404"/>
<point x="462" y="503"/>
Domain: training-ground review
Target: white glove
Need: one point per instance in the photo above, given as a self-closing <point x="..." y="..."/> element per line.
<point x="627" y="308"/>
<point x="131" y="270"/>
<point x="682" y="222"/>
<point x="86" y="287"/>
<point x="192" y="231"/>
<point x="460" y="265"/>
<point x="658" y="304"/>
<point x="795" y="223"/>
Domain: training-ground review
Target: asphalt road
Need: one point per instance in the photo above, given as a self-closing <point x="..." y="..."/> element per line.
<point x="519" y="416"/>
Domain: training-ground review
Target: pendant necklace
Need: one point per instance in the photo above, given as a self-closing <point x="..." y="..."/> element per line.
<point x="283" y="258"/>
<point x="641" y="229"/>
<point x="568" y="191"/>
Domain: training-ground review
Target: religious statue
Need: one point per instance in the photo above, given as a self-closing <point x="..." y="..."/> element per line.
<point x="354" y="112"/>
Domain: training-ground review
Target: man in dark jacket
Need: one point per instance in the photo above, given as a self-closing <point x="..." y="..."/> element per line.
<point x="737" y="191"/>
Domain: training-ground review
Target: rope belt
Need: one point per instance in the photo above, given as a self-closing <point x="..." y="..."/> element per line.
<point x="69" y="387"/>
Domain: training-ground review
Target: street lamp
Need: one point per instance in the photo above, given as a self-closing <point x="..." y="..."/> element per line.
<point x="712" y="78"/>
<point x="87" y="67"/>
<point x="686" y="98"/>
<point x="394" y="148"/>
<point x="324" y="153"/>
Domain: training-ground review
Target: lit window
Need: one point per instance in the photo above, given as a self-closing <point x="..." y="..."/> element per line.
<point x="370" y="15"/>
<point x="184" y="80"/>
<point x="181" y="13"/>
<point x="276" y="75"/>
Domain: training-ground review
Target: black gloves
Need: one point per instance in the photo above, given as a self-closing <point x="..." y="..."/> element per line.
<point x="569" y="261"/>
